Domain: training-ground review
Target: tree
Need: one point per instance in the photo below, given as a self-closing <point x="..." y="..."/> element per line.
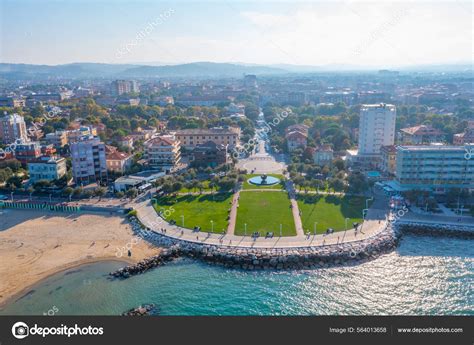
<point x="357" y="182"/>
<point x="337" y="184"/>
<point x="177" y="186"/>
<point x="167" y="187"/>
<point x="67" y="191"/>
<point x="227" y="183"/>
<point x="14" y="182"/>
<point x="78" y="191"/>
<point x="200" y="186"/>
<point x="100" y="192"/>
<point x="131" y="193"/>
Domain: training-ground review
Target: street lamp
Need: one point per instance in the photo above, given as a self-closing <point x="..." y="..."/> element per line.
<point x="345" y="227"/>
<point x="367" y="202"/>
<point x="11" y="195"/>
<point x="245" y="229"/>
<point x="31" y="196"/>
<point x="280" y="230"/>
<point x="50" y="195"/>
<point x="182" y="220"/>
<point x="315" y="224"/>
<point x="212" y="226"/>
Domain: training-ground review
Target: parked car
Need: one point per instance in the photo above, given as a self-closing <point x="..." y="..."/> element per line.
<point x="3" y="197"/>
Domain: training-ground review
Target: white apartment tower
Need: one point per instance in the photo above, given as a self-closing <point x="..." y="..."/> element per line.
<point x="89" y="163"/>
<point x="376" y="128"/>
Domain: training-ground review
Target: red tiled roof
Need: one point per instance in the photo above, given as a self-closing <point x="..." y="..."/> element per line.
<point x="116" y="156"/>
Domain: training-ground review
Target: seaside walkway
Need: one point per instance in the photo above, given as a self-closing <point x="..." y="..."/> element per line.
<point x="376" y="221"/>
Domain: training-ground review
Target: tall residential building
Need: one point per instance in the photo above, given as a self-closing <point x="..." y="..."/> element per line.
<point x="163" y="153"/>
<point x="47" y="168"/>
<point x="12" y="128"/>
<point x="250" y="81"/>
<point x="119" y="87"/>
<point x="376" y="128"/>
<point x="89" y="164"/>
<point x="434" y="167"/>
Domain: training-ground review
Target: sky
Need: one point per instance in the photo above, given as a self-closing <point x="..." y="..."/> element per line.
<point x="351" y="32"/>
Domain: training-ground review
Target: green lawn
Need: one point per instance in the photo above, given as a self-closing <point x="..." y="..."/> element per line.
<point x="198" y="210"/>
<point x="265" y="211"/>
<point x="247" y="185"/>
<point x="329" y="211"/>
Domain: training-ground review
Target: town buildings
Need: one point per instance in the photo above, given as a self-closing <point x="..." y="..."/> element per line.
<point x="388" y="159"/>
<point x="47" y="168"/>
<point x="58" y="139"/>
<point x="376" y="129"/>
<point x="209" y="154"/>
<point x="190" y="138"/>
<point x="323" y="155"/>
<point x="117" y="161"/>
<point x="120" y="87"/>
<point x="28" y="151"/>
<point x="12" y="102"/>
<point x="89" y="163"/>
<point x="465" y="137"/>
<point x="296" y="136"/>
<point x="13" y="128"/>
<point x="163" y="153"/>
<point x="422" y="134"/>
<point x="434" y="167"/>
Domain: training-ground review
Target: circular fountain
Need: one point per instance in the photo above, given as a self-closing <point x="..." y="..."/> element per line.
<point x="264" y="180"/>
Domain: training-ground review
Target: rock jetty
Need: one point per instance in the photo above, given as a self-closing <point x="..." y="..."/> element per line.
<point x="248" y="258"/>
<point x="143" y="310"/>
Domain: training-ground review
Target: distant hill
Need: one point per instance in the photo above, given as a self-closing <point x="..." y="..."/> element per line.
<point x="200" y="69"/>
<point x="100" y="70"/>
<point x="190" y="70"/>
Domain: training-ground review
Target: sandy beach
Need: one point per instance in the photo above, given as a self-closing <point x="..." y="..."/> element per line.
<point x="35" y="245"/>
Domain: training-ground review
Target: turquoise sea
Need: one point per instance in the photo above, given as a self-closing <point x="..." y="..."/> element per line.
<point x="424" y="276"/>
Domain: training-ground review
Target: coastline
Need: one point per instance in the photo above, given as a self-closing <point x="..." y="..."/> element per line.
<point x="77" y="264"/>
<point x="36" y="245"/>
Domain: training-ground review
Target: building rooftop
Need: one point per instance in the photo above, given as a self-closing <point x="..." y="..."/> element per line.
<point x="421" y="130"/>
<point x="378" y="105"/>
<point x="434" y="147"/>
<point x="215" y="130"/>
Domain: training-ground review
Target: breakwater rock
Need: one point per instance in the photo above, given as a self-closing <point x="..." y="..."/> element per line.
<point x="166" y="255"/>
<point x="444" y="230"/>
<point x="143" y="310"/>
<point x="249" y="258"/>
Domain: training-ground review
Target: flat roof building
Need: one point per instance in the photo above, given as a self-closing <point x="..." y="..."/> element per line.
<point x="435" y="167"/>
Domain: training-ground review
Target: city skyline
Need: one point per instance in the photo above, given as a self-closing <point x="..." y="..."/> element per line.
<point x="320" y="33"/>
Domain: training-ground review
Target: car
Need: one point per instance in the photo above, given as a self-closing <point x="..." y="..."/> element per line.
<point x="3" y="197"/>
<point x="269" y="235"/>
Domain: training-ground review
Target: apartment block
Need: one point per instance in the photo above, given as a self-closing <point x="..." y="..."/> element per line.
<point x="89" y="163"/>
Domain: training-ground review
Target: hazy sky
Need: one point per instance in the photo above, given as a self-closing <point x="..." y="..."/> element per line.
<point x="305" y="33"/>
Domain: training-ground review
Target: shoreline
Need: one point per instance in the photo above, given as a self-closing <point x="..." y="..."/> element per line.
<point x="36" y="245"/>
<point x="5" y="300"/>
